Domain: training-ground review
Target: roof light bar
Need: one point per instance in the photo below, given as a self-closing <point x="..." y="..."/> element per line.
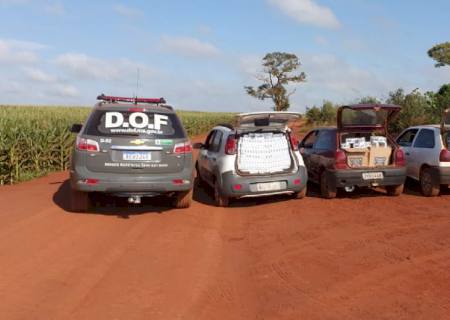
<point x="135" y="100"/>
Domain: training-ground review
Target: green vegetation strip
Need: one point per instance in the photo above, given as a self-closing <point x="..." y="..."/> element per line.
<point x="36" y="140"/>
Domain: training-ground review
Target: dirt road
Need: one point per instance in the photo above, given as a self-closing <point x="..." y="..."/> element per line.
<point x="366" y="256"/>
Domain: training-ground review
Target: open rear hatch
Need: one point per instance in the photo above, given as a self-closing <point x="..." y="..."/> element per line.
<point x="264" y="143"/>
<point x="363" y="134"/>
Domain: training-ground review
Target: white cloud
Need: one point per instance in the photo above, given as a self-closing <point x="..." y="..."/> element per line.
<point x="18" y="52"/>
<point x="308" y="12"/>
<point x="190" y="47"/>
<point x="55" y="8"/>
<point x="64" y="91"/>
<point x="82" y="66"/>
<point x="127" y="11"/>
<point x="320" y="40"/>
<point x="204" y="29"/>
<point x="38" y="75"/>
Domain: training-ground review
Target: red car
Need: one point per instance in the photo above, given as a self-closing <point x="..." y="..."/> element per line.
<point x="359" y="152"/>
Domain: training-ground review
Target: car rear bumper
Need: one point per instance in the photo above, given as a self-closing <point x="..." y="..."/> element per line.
<point x="294" y="182"/>
<point x="131" y="183"/>
<point x="354" y="177"/>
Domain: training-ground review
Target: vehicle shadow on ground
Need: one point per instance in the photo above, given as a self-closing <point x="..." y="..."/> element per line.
<point x="112" y="206"/>
<point x="314" y="192"/>
<point x="412" y="187"/>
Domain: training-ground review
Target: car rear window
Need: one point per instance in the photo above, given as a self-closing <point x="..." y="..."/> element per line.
<point x="127" y="123"/>
<point x="370" y="117"/>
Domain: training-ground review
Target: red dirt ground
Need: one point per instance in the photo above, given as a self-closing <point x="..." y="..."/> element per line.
<point x="361" y="256"/>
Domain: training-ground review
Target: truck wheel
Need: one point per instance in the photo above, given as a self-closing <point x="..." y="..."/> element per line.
<point x="79" y="201"/>
<point x="326" y="190"/>
<point x="395" y="191"/>
<point x="300" y="195"/>
<point x="183" y="199"/>
<point x="221" y="201"/>
<point x="428" y="185"/>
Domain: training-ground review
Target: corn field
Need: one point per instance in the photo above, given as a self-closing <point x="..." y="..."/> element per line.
<point x="37" y="140"/>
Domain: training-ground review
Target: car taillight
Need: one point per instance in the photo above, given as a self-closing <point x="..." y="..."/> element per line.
<point x="444" y="156"/>
<point x="399" y="160"/>
<point x="183" y="147"/>
<point x="340" y="159"/>
<point x="230" y="146"/>
<point x="294" y="142"/>
<point x="87" y="145"/>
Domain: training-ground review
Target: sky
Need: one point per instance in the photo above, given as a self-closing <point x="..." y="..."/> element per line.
<point x="199" y="54"/>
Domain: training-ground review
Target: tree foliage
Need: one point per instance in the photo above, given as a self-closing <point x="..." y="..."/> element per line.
<point x="323" y="115"/>
<point x="279" y="70"/>
<point x="441" y="54"/>
<point x="415" y="109"/>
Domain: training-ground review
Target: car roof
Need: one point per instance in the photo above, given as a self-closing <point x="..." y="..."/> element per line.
<point x="428" y="126"/>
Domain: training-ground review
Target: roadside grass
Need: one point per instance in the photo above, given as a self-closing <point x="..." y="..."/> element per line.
<point x="36" y="140"/>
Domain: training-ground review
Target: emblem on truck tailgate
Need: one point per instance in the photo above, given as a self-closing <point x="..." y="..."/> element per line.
<point x="138" y="141"/>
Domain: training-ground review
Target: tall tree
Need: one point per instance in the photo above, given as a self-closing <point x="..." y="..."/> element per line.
<point x="441" y="54"/>
<point x="279" y="70"/>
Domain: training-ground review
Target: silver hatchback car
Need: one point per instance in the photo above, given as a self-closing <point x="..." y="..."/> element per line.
<point x="258" y="157"/>
<point x="427" y="155"/>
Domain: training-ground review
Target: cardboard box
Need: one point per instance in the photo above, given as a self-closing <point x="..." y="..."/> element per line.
<point x="379" y="156"/>
<point x="357" y="157"/>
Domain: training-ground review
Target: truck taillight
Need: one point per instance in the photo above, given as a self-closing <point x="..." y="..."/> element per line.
<point x="444" y="156"/>
<point x="399" y="160"/>
<point x="87" y="145"/>
<point x="340" y="159"/>
<point x="230" y="146"/>
<point x="182" y="148"/>
<point x="294" y="142"/>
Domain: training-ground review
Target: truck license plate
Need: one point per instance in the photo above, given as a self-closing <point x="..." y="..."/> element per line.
<point x="137" y="156"/>
<point x="372" y="175"/>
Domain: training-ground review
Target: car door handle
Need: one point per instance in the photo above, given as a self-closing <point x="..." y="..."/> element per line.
<point x="213" y="159"/>
<point x="407" y="153"/>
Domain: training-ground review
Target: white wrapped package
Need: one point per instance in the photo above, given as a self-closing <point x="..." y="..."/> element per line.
<point x="378" y="141"/>
<point x="260" y="153"/>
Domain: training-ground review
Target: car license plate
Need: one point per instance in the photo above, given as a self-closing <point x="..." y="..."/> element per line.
<point x="270" y="186"/>
<point x="372" y="175"/>
<point x="137" y="156"/>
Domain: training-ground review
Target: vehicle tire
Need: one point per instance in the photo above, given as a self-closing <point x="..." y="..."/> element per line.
<point x="183" y="199"/>
<point x="221" y="201"/>
<point x="200" y="181"/>
<point x="326" y="190"/>
<point x="301" y="194"/>
<point x="395" y="191"/>
<point x="428" y="186"/>
<point x="79" y="201"/>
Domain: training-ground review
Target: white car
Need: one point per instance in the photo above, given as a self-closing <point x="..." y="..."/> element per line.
<point x="427" y="156"/>
<point x="256" y="158"/>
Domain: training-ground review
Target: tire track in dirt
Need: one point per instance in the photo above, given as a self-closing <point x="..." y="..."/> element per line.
<point x="364" y="256"/>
